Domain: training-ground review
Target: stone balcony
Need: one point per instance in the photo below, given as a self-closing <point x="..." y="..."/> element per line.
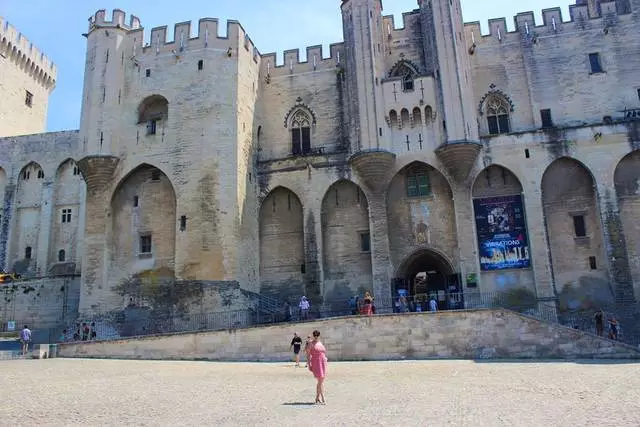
<point x="459" y="157"/>
<point x="373" y="166"/>
<point x="97" y="171"/>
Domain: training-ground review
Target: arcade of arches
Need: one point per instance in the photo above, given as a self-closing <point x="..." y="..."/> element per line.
<point x="424" y="242"/>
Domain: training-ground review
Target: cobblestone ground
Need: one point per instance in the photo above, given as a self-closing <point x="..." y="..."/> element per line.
<point x="435" y="393"/>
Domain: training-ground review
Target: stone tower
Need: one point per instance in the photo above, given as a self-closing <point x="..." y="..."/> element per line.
<point x="364" y="49"/>
<point x="447" y="58"/>
<point x="27" y="78"/>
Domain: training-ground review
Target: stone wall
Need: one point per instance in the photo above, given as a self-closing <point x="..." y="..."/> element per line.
<point x="481" y="334"/>
<point x="40" y="303"/>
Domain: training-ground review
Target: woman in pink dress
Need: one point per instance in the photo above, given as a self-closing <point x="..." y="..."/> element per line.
<point x="318" y="365"/>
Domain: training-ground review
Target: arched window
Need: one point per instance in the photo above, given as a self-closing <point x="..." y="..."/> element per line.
<point x="417" y="116"/>
<point x="61" y="255"/>
<point x="497" y="111"/>
<point x="393" y="118"/>
<point x="151" y="111"/>
<point x="418" y="184"/>
<point x="428" y="115"/>
<point x="404" y="117"/>
<point x="407" y="73"/>
<point x="300" y="133"/>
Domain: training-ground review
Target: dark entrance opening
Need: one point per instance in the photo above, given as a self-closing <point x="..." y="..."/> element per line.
<point x="424" y="275"/>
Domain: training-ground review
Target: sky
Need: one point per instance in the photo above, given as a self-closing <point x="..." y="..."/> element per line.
<point x="56" y="28"/>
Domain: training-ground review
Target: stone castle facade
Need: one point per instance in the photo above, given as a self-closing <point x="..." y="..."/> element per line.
<point x="486" y="162"/>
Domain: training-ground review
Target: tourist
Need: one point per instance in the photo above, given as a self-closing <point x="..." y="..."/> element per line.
<point x="296" y="343"/>
<point x="307" y="349"/>
<point x="94" y="333"/>
<point x="599" y="319"/>
<point x="25" y="339"/>
<point x="304" y="307"/>
<point x="367" y="306"/>
<point x="433" y="305"/>
<point x="318" y="365"/>
<point x="85" y="331"/>
<point x="63" y="336"/>
<point x="613" y="328"/>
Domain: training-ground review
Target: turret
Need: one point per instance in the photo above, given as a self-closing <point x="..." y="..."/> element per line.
<point x="364" y="63"/>
<point x="108" y="49"/>
<point x="446" y="54"/>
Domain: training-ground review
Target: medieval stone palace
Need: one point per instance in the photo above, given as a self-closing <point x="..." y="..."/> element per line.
<point x="483" y="162"/>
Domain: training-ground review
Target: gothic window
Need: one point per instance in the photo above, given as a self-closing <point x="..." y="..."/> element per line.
<point x="393" y="118"/>
<point x="418" y="183"/>
<point x="407" y="82"/>
<point x="300" y="133"/>
<point x="407" y="74"/>
<point x="497" y="112"/>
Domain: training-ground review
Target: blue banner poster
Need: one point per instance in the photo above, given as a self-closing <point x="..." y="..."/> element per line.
<point x="502" y="233"/>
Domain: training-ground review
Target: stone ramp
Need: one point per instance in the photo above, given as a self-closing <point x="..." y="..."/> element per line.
<point x="468" y="334"/>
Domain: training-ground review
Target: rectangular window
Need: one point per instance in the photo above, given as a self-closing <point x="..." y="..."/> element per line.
<point x="579" y="226"/>
<point x="418" y="185"/>
<point x="28" y="99"/>
<point x="596" y="65"/>
<point x="365" y="242"/>
<point x="200" y="64"/>
<point x="66" y="216"/>
<point x="145" y="244"/>
<point x="503" y="123"/>
<point x="76" y="170"/>
<point x="545" y="116"/>
<point x="306" y="140"/>
<point x="296" y="142"/>
<point x="147" y="72"/>
<point x="592" y="263"/>
<point x="135" y="201"/>
<point x="152" y="127"/>
<point x="638" y="91"/>
<point x="155" y="175"/>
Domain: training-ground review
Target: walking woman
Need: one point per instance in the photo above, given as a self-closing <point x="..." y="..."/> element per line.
<point x="318" y="365"/>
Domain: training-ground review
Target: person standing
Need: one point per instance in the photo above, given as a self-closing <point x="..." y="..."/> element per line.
<point x="296" y="343"/>
<point x="307" y="350"/>
<point x="367" y="307"/>
<point x="25" y="339"/>
<point x="318" y="365"/>
<point x="304" y="307"/>
<point x="433" y="305"/>
<point x="599" y="319"/>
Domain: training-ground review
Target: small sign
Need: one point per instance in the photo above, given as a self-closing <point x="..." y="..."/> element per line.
<point x="11" y="325"/>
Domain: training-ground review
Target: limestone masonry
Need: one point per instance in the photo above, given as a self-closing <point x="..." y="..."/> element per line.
<point x="483" y="162"/>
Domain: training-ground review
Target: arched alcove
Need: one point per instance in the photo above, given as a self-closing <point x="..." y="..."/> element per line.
<point x="627" y="183"/>
<point x="66" y="214"/>
<point x="346" y="243"/>
<point x="153" y="112"/>
<point x="420" y="213"/>
<point x="143" y="229"/>
<point x="502" y="235"/>
<point x="417" y="117"/>
<point x="405" y="120"/>
<point x="393" y="119"/>
<point x="27" y="225"/>
<point x="572" y="219"/>
<point x="282" y="267"/>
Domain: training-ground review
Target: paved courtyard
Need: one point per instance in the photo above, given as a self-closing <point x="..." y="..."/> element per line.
<point x="448" y="393"/>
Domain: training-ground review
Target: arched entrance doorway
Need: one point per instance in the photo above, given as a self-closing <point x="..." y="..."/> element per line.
<point x="427" y="274"/>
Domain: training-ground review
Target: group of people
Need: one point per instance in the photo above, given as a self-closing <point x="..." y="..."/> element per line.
<point x="316" y="360"/>
<point x="598" y="317"/>
<point x="84" y="332"/>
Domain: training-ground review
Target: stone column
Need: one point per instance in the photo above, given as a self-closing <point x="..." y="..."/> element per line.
<point x="94" y="298"/>
<point x="314" y="272"/>
<point x="380" y="251"/>
<point x="467" y="240"/>
<point x="45" y="235"/>
<point x="615" y="245"/>
<point x="5" y="226"/>
<point x="539" y="251"/>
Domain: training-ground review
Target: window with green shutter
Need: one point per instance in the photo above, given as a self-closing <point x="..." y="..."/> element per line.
<point x="418" y="184"/>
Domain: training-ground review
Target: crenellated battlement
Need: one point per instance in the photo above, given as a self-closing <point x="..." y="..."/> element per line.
<point x="408" y="18"/>
<point x="208" y="35"/>
<point x="25" y="55"/>
<point x="552" y="23"/>
<point x="118" y="16"/>
<point x="293" y="65"/>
